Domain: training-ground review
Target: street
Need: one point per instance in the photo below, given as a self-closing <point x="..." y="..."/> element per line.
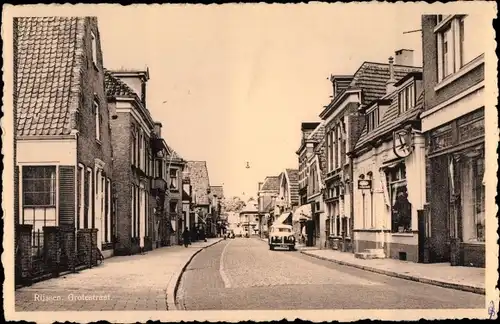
<point x="243" y="274"/>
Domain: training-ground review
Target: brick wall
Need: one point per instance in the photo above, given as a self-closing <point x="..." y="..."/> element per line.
<point x="122" y="174"/>
<point x="91" y="87"/>
<point x="430" y="74"/>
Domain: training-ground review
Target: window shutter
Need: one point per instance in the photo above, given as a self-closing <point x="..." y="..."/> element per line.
<point x="67" y="195"/>
<point x="16" y="195"/>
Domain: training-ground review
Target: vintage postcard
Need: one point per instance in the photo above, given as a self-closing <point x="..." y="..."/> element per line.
<point x="321" y="161"/>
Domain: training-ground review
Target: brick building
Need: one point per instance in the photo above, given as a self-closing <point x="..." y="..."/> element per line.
<point x="453" y="123"/>
<point x="132" y="131"/>
<point x="390" y="154"/>
<point x="343" y="126"/>
<point x="178" y="222"/>
<point x="63" y="140"/>
<point x="197" y="173"/>
<point x="267" y="194"/>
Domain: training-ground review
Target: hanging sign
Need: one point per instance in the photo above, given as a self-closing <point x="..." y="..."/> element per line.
<point x="364" y="184"/>
<point x="402" y="143"/>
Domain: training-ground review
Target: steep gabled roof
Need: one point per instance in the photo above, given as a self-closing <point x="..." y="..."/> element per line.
<point x="198" y="175"/>
<point x="45" y="59"/>
<point x="271" y="183"/>
<point x="391" y="118"/>
<point x="293" y="177"/>
<point x="372" y="77"/>
<point x="217" y="191"/>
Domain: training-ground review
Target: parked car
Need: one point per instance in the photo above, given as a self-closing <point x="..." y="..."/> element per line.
<point x="281" y="236"/>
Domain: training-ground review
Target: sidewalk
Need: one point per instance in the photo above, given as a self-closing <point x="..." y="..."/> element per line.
<point x="439" y="274"/>
<point x="136" y="282"/>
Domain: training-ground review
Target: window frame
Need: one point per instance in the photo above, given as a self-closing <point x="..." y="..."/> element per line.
<point x="52" y="192"/>
<point x="393" y="185"/>
<point x="94" y="48"/>
<point x="98" y="121"/>
<point x="173" y="179"/>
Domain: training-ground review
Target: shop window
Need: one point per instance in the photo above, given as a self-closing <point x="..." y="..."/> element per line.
<point x="400" y="205"/>
<point x="472" y="196"/>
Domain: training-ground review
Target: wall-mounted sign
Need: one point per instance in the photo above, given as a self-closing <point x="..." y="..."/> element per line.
<point x="364" y="184"/>
<point x="402" y="143"/>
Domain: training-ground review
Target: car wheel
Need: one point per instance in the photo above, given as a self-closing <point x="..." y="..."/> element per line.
<point x="291" y="248"/>
<point x="271" y="247"/>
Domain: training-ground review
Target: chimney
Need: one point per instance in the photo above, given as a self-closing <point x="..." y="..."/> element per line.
<point x="157" y="129"/>
<point x="135" y="79"/>
<point x="260" y="185"/>
<point x="404" y="57"/>
<point x="390" y="83"/>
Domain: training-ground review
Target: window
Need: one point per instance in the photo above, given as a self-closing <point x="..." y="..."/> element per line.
<point x="141" y="151"/>
<point x="133" y="147"/>
<point x="470" y="44"/>
<point x="372" y="120"/>
<point x="473" y="196"/>
<point x="158" y="173"/>
<point x="94" y="48"/>
<point x="400" y="205"/>
<point x="107" y="224"/>
<point x="458" y="43"/>
<point x="406" y="98"/>
<point x="39" y="186"/>
<point x="446" y="51"/>
<point x="133" y="210"/>
<point x="81" y="190"/>
<point x="173" y="206"/>
<point x="97" y="121"/>
<point x="173" y="179"/>
<point x="88" y="202"/>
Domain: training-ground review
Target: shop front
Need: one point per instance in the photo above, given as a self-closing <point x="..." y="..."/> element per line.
<point x="456" y="191"/>
<point x="389" y="193"/>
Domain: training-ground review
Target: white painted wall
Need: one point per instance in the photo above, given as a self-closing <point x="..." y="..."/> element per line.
<point x="53" y="152"/>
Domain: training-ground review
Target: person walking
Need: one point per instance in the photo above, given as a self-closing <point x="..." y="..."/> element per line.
<point x="186" y="237"/>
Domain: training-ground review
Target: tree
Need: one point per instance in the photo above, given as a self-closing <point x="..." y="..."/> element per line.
<point x="234" y="204"/>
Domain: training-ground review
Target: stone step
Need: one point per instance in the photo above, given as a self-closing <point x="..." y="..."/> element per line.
<point x="370" y="254"/>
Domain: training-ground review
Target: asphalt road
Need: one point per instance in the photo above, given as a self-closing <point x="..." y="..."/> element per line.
<point x="243" y="274"/>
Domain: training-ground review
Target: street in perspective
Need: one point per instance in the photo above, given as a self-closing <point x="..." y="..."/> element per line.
<point x="263" y="166"/>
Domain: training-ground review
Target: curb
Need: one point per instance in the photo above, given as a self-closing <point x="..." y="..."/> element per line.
<point x="173" y="285"/>
<point x="476" y="290"/>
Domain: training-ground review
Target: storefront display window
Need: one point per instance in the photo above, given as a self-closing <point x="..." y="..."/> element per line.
<point x="473" y="196"/>
<point x="400" y="205"/>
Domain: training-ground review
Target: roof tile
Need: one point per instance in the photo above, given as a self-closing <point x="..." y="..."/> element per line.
<point x="198" y="175"/>
<point x="45" y="59"/>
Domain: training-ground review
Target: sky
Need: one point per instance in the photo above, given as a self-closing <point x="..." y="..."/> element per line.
<point x="231" y="84"/>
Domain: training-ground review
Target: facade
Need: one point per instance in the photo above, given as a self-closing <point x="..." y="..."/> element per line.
<point x="64" y="158"/>
<point x="288" y="197"/>
<point x="197" y="173"/>
<point x="216" y="197"/>
<point x="343" y="126"/>
<point x="309" y="217"/>
<point x="453" y="124"/>
<point x="133" y="160"/>
<point x="389" y="172"/>
<point x="187" y="206"/>
<point x="249" y="218"/>
<point x="266" y="196"/>
<point x="176" y="216"/>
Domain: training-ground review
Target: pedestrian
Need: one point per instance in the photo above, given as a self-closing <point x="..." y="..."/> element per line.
<point x="185" y="237"/>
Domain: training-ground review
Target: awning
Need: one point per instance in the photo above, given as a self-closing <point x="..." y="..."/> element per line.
<point x="304" y="212"/>
<point x="282" y="218"/>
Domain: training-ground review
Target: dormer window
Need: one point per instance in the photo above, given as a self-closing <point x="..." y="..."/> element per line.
<point x="406" y="98"/>
<point x="94" y="48"/>
<point x="372" y="119"/>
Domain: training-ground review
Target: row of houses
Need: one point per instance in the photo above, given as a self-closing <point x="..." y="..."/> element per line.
<point x="395" y="166"/>
<point x="94" y="177"/>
